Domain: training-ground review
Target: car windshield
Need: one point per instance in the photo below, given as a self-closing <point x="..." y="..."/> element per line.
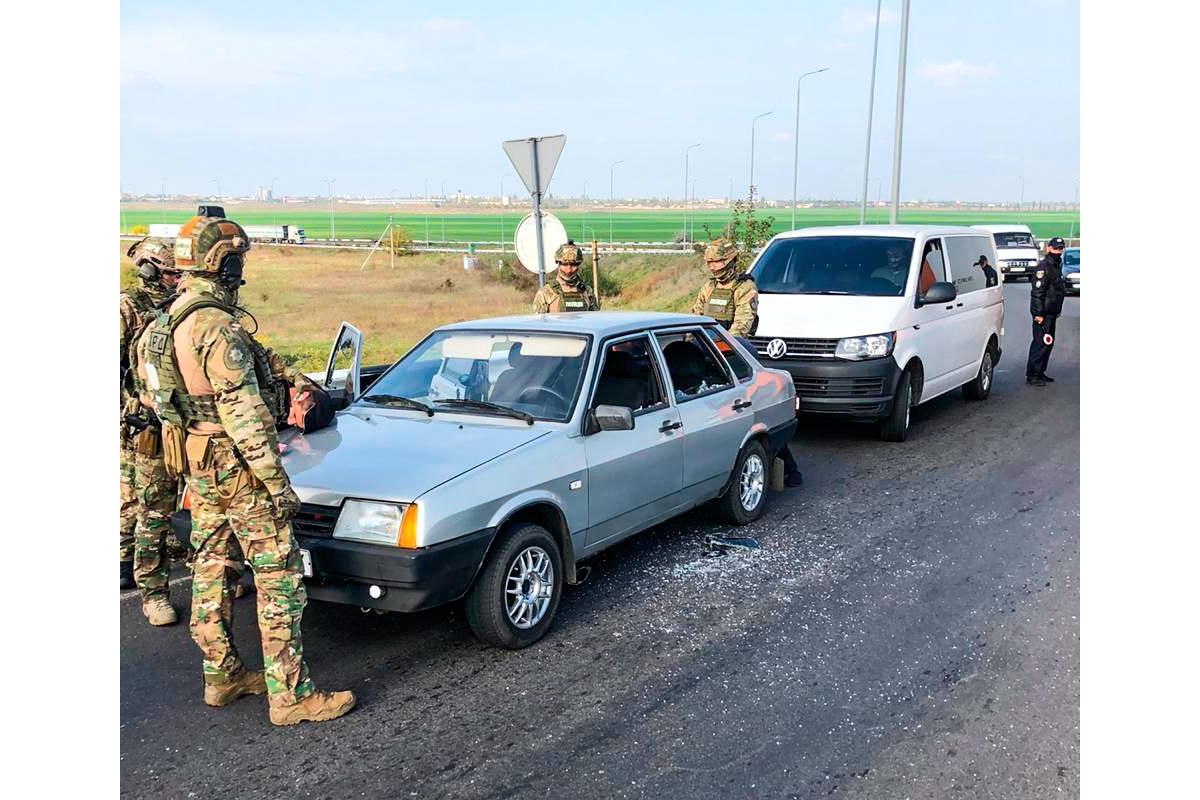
<point x="489" y="373"/>
<point x="1014" y="239"/>
<point x="1071" y="258"/>
<point x="875" y="266"/>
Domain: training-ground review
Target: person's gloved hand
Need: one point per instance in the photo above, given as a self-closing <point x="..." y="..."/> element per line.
<point x="286" y="503"/>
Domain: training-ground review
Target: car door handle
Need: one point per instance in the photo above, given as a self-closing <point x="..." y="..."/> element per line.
<point x="738" y="405"/>
<point x="958" y="305"/>
<point x="669" y="426"/>
<point x="949" y="308"/>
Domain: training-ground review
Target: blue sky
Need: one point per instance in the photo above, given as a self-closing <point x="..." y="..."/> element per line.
<point x="387" y="96"/>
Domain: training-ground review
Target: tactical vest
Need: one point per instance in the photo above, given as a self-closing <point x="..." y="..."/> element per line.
<point x="720" y="305"/>
<point x="172" y="402"/>
<point x="574" y="300"/>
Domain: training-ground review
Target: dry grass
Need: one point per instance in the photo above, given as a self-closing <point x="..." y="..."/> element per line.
<point x="300" y="296"/>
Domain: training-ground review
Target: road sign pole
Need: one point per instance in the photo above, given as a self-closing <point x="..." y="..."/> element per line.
<point x="537" y="213"/>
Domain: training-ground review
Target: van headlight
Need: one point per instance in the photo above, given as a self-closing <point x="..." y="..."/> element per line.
<point x="860" y="348"/>
<point x="367" y="521"/>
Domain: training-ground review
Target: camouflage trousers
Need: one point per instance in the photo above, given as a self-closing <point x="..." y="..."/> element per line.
<point x="128" y="501"/>
<point x="156" y="495"/>
<point x="225" y="506"/>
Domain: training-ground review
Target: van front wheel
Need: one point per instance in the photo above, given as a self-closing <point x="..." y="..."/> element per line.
<point x="894" y="427"/>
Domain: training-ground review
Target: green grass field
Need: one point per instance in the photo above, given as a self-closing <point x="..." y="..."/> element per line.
<point x="627" y="226"/>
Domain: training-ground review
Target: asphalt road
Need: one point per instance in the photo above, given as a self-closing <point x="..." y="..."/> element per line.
<point x="909" y="628"/>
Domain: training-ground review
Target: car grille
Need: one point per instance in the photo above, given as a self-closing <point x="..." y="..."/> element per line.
<point x="839" y="387"/>
<point x="797" y="348"/>
<point x="314" y="520"/>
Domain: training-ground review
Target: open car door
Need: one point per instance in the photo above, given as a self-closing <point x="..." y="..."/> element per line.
<point x="343" y="371"/>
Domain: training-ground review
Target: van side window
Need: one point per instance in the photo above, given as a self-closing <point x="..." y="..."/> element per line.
<point x="933" y="266"/>
<point x="970" y="265"/>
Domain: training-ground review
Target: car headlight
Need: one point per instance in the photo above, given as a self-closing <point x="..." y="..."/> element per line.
<point x="376" y="523"/>
<point x="860" y="348"/>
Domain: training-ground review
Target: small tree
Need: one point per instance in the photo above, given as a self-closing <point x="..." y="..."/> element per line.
<point x="748" y="231"/>
<point x="399" y="240"/>
<point x="139" y="230"/>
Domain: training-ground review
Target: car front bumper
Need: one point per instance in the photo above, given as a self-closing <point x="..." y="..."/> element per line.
<point x="408" y="580"/>
<point x="862" y="389"/>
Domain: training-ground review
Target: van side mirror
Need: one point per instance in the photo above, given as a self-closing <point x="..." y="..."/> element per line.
<point x="608" y="418"/>
<point x="940" y="292"/>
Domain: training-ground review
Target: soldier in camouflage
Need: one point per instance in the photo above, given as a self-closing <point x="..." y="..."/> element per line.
<point x="211" y="385"/>
<point x="729" y="297"/>
<point x="567" y="292"/>
<point x="141" y="497"/>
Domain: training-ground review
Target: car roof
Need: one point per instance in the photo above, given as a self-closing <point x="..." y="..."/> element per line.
<point x="596" y="323"/>
<point x="905" y="231"/>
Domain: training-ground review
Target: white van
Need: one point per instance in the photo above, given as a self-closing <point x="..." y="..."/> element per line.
<point x="872" y="320"/>
<point x="1016" y="249"/>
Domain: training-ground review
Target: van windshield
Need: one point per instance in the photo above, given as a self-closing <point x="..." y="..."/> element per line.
<point x="875" y="266"/>
<point x="1014" y="239"/>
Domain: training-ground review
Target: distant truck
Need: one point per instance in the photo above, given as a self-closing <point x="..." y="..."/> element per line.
<point x="1016" y="249"/>
<point x="282" y="234"/>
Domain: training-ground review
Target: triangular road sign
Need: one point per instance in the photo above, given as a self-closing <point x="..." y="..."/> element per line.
<point x="520" y="153"/>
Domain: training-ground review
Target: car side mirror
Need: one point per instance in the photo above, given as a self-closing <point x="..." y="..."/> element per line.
<point x="940" y="292"/>
<point x="609" y="418"/>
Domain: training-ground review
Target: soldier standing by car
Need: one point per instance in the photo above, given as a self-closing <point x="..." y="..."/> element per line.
<point x="144" y="489"/>
<point x="567" y="292"/>
<point x="1045" y="304"/>
<point x="211" y="386"/>
<point x="731" y="298"/>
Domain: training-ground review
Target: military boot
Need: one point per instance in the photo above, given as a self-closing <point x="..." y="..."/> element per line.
<point x="159" y="611"/>
<point x="246" y="682"/>
<point x="317" y="707"/>
<point x="127" y="575"/>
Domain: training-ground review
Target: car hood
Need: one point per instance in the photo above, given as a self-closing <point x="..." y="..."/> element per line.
<point x="386" y="454"/>
<point x="827" y="316"/>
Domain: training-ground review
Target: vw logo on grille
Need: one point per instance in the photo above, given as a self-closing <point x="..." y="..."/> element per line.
<point x="777" y="348"/>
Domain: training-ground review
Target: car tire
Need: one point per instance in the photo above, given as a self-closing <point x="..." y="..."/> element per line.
<point x="980" y="386"/>
<point x="746" y="497"/>
<point x="513" y="624"/>
<point x="894" y="427"/>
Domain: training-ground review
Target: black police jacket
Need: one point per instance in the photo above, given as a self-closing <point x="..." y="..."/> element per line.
<point x="1049" y="288"/>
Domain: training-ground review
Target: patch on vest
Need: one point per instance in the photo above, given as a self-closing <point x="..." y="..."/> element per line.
<point x="575" y="304"/>
<point x="183" y="247"/>
<point x="235" y="356"/>
<point x="152" y="377"/>
<point x="721" y="303"/>
<point x="157" y="342"/>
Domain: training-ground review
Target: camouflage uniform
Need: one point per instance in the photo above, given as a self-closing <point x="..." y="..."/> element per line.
<point x="207" y="375"/>
<point x="138" y="306"/>
<point x="567" y="292"/>
<point x="729" y="297"/>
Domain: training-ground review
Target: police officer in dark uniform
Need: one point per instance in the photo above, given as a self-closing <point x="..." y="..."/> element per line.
<point x="1045" y="304"/>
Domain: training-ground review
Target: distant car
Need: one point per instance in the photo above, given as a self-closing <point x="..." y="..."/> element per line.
<point x="1070" y="268"/>
<point x="497" y="454"/>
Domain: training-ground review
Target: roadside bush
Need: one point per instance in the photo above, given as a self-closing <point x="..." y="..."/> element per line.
<point x="139" y="230"/>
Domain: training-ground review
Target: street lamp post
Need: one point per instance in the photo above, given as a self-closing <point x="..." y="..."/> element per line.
<point x="271" y="191"/>
<point x="610" y="199"/>
<point x="796" y="143"/>
<point x="443" y="215"/>
<point x="332" y="221"/>
<point x="218" y="183"/>
<point x="686" y="153"/>
<point x="862" y="212"/>
<point x="693" y="220"/>
<point x="583" y="222"/>
<point x="754" y="122"/>
<point x="899" y="114"/>
<point x="1021" y="201"/>
<point x="162" y="192"/>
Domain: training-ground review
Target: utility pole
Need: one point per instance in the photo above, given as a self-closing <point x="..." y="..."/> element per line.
<point x="502" y="177"/>
<point x="332" y="222"/>
<point x="162" y="193"/>
<point x="754" y="122"/>
<point x="686" y="153"/>
<point x="796" y="142"/>
<point x="862" y="213"/>
<point x="610" y="200"/>
<point x="899" y="113"/>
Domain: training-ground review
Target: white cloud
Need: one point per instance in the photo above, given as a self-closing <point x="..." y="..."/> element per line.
<point x="191" y="56"/>
<point x="861" y="20"/>
<point x="953" y="73"/>
<point x="445" y="24"/>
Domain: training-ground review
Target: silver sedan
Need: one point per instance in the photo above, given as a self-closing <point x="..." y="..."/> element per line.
<point x="498" y="454"/>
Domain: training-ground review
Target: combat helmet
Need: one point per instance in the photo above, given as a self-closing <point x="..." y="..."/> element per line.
<point x="152" y="257"/>
<point x="203" y="242"/>
<point x="569" y="253"/>
<point x="724" y="252"/>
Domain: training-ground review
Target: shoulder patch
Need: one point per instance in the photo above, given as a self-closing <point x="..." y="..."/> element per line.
<point x="1041" y="273"/>
<point x="236" y="356"/>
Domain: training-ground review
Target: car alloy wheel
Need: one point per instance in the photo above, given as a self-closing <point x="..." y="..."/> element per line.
<point x="985" y="372"/>
<point x="529" y="587"/>
<point x="751" y="482"/>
